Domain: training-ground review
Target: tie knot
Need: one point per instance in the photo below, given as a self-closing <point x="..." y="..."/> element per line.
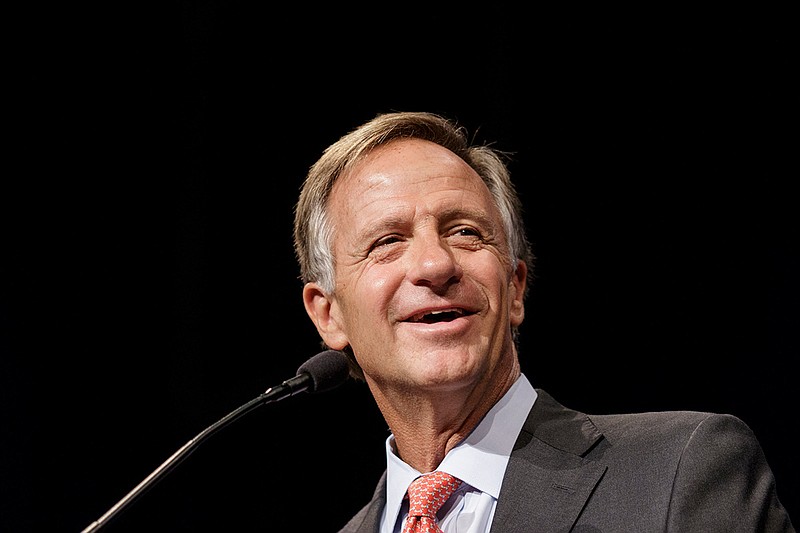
<point x="427" y="493"/>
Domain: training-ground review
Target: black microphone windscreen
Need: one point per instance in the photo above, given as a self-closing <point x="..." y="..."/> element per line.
<point x="327" y="370"/>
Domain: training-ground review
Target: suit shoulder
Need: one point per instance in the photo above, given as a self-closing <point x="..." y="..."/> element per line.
<point x="682" y="428"/>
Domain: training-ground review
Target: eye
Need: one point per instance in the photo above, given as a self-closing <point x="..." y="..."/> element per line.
<point x="386" y="248"/>
<point x="465" y="231"/>
<point x="468" y="232"/>
<point x="386" y="241"/>
<point x="467" y="237"/>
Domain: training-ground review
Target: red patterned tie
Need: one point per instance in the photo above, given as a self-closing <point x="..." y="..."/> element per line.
<point x="426" y="495"/>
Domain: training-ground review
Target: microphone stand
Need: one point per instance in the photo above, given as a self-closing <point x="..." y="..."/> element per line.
<point x="290" y="387"/>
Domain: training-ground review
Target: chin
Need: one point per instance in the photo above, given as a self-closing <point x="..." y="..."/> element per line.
<point x="448" y="373"/>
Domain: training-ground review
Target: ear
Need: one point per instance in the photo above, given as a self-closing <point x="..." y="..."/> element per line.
<point x="322" y="309"/>
<point x="518" y="283"/>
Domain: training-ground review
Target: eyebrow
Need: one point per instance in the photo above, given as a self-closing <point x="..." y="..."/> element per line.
<point x="479" y="216"/>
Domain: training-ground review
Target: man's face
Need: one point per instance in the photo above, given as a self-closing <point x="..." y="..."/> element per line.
<point x="425" y="294"/>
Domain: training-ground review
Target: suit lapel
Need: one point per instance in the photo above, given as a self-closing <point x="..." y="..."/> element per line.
<point x="547" y="481"/>
<point x="368" y="519"/>
<point x="371" y="519"/>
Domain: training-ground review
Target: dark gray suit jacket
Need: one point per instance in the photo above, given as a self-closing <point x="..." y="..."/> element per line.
<point x="676" y="471"/>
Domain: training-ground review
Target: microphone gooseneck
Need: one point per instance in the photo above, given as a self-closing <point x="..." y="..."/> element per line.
<point x="324" y="371"/>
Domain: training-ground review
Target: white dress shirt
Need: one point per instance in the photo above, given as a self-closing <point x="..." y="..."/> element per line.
<point x="479" y="461"/>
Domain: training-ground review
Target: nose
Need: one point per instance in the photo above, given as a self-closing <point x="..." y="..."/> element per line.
<point x="433" y="262"/>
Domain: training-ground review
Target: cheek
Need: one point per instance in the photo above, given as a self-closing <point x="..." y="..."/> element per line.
<point x="373" y="302"/>
<point x="372" y="285"/>
<point x="364" y="302"/>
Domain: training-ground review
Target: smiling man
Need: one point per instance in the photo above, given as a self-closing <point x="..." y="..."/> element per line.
<point x="415" y="263"/>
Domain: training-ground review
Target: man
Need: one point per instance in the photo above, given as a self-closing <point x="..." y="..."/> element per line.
<point x="416" y="264"/>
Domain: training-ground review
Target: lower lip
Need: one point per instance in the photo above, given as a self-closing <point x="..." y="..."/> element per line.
<point x="448" y="327"/>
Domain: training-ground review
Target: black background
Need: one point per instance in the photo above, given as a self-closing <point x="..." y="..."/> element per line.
<point x="148" y="280"/>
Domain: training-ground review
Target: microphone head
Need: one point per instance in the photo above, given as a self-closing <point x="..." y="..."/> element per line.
<point x="327" y="370"/>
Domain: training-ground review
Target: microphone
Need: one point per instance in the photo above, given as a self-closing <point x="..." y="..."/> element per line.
<point x="322" y="372"/>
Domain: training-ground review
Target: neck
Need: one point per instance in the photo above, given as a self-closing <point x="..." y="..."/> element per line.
<point x="427" y="425"/>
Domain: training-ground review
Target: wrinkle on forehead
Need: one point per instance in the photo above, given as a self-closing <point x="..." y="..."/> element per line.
<point x="405" y="180"/>
<point x="386" y="199"/>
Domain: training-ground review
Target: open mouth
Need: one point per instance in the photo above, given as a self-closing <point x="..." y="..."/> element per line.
<point x="435" y="317"/>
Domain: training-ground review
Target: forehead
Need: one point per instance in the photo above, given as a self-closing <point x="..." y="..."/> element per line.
<point x="408" y="180"/>
<point x="408" y="163"/>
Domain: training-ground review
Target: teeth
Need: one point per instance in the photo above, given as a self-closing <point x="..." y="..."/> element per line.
<point x="417" y="318"/>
